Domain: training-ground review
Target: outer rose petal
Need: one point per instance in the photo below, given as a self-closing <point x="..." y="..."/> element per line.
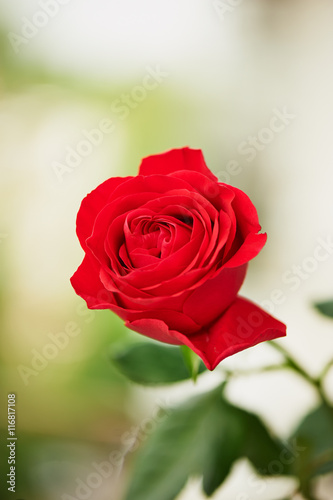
<point x="92" y="204"/>
<point x="174" y="160"/>
<point x="87" y="285"/>
<point x="246" y="212"/>
<point x="243" y="325"/>
<point x="155" y="329"/>
<point x="252" y="245"/>
<point x="213" y="297"/>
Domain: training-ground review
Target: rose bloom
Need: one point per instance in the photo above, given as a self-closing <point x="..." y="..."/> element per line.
<point x="168" y="251"/>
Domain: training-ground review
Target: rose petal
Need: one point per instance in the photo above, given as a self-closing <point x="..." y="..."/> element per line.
<point x="154" y="183"/>
<point x="87" y="285"/>
<point x="106" y="217"/>
<point x="176" y="159"/>
<point x="142" y="257"/>
<point x="117" y="284"/>
<point x="249" y="249"/>
<point x="182" y="198"/>
<point x="213" y="297"/>
<point x="217" y="194"/>
<point x="221" y="232"/>
<point x="92" y="204"/>
<point x="183" y="283"/>
<point x="165" y="269"/>
<point x="166" y="320"/>
<point x="246" y="213"/>
<point x="243" y="325"/>
<point x="155" y="329"/>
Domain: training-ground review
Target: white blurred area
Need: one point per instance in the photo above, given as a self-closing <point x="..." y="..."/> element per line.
<point x="231" y="73"/>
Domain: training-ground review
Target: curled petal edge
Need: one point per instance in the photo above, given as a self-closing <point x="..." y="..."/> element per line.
<point x="241" y="326"/>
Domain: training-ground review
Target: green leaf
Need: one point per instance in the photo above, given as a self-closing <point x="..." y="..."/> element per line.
<point x="203" y="437"/>
<point x="325" y="308"/>
<point x="314" y="437"/>
<point x="261" y="448"/>
<point x="257" y="444"/>
<point x="153" y="364"/>
<point x="223" y="448"/>
<point x="192" y="361"/>
<point x="199" y="437"/>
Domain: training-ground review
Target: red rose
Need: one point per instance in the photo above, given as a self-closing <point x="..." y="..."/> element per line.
<point x="167" y="251"/>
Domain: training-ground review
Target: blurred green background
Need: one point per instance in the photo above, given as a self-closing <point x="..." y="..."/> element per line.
<point x="224" y="74"/>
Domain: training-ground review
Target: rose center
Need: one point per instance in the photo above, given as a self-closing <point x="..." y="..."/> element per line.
<point x="149" y="238"/>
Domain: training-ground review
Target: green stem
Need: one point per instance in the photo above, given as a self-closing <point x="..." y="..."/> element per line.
<point x="325" y="371"/>
<point x="254" y="371"/>
<point x="307" y="495"/>
<point x="294" y="365"/>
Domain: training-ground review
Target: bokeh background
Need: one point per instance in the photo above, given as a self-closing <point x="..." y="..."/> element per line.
<point x="222" y="71"/>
